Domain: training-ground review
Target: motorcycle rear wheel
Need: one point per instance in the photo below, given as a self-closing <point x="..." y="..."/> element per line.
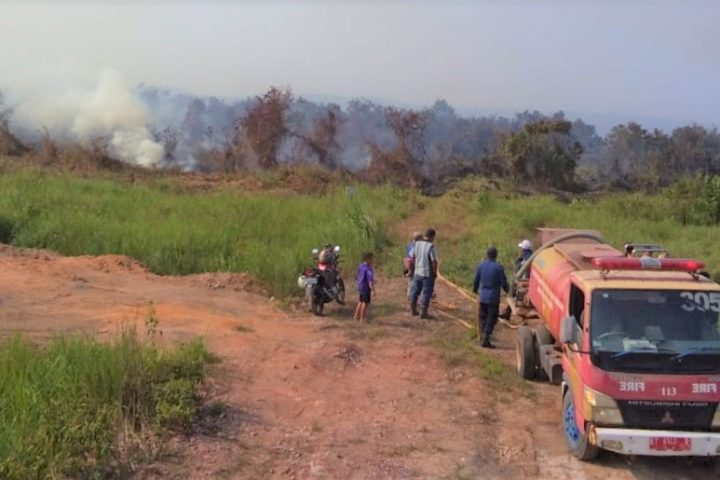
<point x="316" y="304"/>
<point x="340" y="297"/>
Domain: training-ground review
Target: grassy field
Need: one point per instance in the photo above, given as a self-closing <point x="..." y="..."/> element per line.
<point x="470" y="219"/>
<point x="77" y="407"/>
<point x="173" y="231"/>
<point x="101" y="388"/>
<point x="176" y="232"/>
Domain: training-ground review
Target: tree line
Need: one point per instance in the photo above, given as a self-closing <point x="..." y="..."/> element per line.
<point x="412" y="147"/>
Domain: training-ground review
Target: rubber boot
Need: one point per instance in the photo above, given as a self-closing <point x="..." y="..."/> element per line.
<point x="425" y="315"/>
<point x="486" y="343"/>
<point x="414" y="310"/>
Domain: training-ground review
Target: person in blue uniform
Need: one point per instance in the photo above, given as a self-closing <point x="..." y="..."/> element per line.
<point x="489" y="280"/>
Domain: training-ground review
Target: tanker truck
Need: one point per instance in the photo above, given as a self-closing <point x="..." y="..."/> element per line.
<point x="633" y="339"/>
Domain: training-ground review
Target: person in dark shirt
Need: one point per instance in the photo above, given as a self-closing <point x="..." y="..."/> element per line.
<point x="489" y="279"/>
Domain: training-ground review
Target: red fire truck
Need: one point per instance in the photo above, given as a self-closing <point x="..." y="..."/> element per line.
<point x="632" y="337"/>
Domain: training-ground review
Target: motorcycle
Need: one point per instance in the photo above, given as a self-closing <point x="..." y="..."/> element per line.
<point x="323" y="282"/>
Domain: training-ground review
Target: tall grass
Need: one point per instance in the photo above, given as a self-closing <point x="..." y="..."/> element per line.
<point x="63" y="406"/>
<point x="476" y="219"/>
<point x="270" y="236"/>
<point x="175" y="232"/>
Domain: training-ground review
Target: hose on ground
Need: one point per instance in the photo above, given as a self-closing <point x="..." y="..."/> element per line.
<point x="522" y="273"/>
<point x="471" y="298"/>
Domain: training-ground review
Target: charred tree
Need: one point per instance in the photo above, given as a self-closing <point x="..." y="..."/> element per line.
<point x="404" y="162"/>
<point x="265" y="127"/>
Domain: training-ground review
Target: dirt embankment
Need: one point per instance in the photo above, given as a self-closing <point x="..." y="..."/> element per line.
<point x="303" y="397"/>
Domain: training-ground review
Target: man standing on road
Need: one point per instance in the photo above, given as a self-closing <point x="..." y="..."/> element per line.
<point x="426" y="269"/>
<point x="409" y="260"/>
<point x="489" y="279"/>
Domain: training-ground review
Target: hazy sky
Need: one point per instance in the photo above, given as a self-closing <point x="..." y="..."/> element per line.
<point x="659" y="58"/>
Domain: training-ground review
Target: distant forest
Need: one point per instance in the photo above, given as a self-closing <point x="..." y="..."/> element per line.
<point x="412" y="147"/>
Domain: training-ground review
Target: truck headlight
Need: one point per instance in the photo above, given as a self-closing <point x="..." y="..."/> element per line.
<point x="716" y="418"/>
<point x="600" y="409"/>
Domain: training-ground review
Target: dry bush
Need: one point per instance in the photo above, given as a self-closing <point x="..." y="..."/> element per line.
<point x="9" y="143"/>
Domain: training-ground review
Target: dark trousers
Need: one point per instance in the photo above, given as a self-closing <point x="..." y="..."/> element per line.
<point x="426" y="285"/>
<point x="487" y="319"/>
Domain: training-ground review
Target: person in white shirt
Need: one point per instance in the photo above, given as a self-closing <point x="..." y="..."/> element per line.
<point x="426" y="270"/>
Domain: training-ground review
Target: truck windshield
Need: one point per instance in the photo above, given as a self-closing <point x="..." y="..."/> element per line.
<point x="656" y="330"/>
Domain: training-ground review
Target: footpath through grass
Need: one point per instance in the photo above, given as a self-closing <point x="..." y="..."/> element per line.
<point x="177" y="232"/>
<point x="79" y="408"/>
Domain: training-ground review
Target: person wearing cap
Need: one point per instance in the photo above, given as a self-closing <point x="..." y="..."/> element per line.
<point x="525" y="253"/>
<point x="489" y="279"/>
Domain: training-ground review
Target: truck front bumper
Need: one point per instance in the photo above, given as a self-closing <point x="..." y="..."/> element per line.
<point x="657" y="442"/>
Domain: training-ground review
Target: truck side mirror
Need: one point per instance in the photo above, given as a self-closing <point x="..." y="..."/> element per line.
<point x="568" y="330"/>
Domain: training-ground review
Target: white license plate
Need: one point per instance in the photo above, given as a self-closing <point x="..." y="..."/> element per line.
<point x="311" y="281"/>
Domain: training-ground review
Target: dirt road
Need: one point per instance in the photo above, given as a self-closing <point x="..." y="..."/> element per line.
<point x="303" y="397"/>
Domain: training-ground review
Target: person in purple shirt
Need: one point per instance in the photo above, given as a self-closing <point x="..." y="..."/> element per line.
<point x="366" y="287"/>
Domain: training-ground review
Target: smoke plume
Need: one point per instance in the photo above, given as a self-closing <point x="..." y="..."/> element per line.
<point x="110" y="110"/>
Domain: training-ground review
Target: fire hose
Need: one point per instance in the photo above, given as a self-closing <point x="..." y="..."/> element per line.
<point x="522" y="273"/>
<point x="467" y="295"/>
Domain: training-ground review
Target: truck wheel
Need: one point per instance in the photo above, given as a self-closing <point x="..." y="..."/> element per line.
<point x="576" y="441"/>
<point x="525" y="353"/>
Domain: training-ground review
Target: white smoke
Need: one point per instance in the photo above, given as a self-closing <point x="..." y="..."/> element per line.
<point x="110" y="110"/>
<point x="137" y="146"/>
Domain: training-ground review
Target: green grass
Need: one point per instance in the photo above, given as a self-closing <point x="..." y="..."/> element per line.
<point x="78" y="408"/>
<point x="173" y="231"/>
<point x="479" y="219"/>
<point x="176" y="232"/>
<point x="459" y="348"/>
<point x="62" y="406"/>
